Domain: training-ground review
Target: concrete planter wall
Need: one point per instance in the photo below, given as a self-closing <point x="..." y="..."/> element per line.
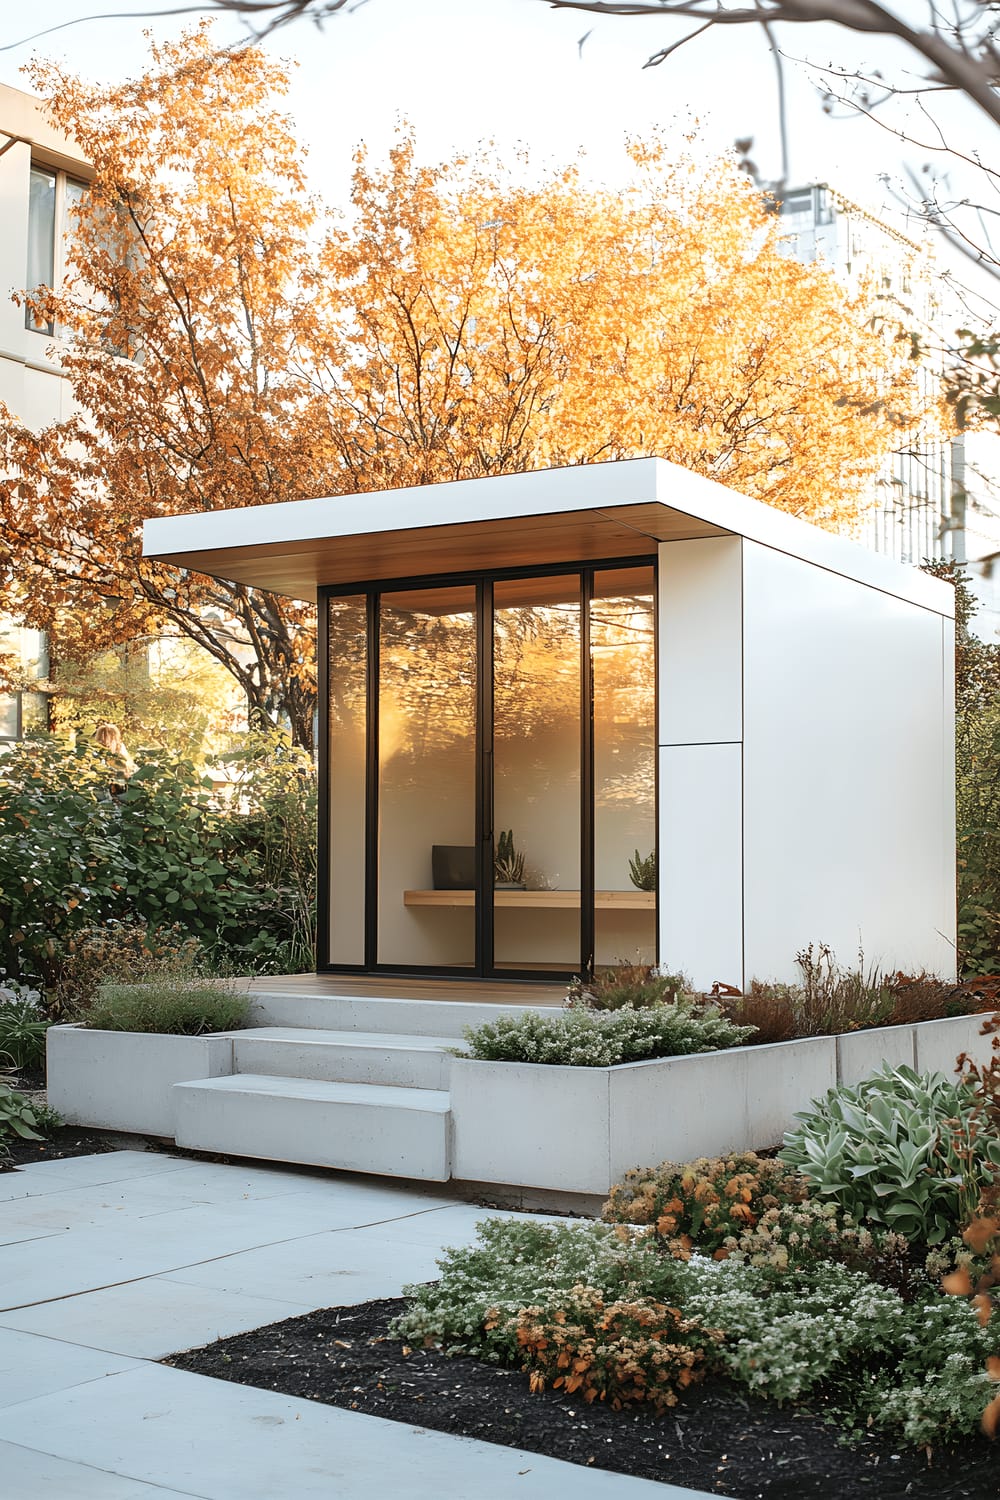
<point x="123" y="1080"/>
<point x="560" y="1129"/>
<point x="579" y="1129"/>
<point x="938" y="1043"/>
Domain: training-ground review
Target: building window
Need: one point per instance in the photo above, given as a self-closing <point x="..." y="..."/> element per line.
<point x="20" y="713"/>
<point x="51" y="199"/>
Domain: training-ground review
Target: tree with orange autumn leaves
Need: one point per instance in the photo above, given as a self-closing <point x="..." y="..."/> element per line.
<point x="229" y="343"/>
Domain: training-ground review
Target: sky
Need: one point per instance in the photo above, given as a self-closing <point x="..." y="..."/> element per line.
<point x="514" y="71"/>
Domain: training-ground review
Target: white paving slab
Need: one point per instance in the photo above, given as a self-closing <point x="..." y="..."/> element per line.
<point x="229" y="1442"/>
<point x="150" y="1318"/>
<point x="100" y="1206"/>
<point x="449" y="1226"/>
<point x="29" y="1475"/>
<point x="82" y="1171"/>
<point x="90" y="1259"/>
<point x="217" y="1182"/>
<point x="31" y="1366"/>
<point x="326" y="1270"/>
<point x="324" y="1203"/>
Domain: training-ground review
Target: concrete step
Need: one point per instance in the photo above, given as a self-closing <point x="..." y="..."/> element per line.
<point x="434" y="1018"/>
<point x="358" y="1127"/>
<point x="413" y="1062"/>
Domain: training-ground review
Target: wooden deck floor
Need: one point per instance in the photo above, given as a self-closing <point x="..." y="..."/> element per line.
<point x="406" y="987"/>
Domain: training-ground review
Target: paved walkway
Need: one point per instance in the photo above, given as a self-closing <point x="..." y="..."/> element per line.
<point x="108" y="1263"/>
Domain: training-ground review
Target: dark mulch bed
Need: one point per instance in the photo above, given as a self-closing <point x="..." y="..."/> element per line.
<point x="716" y="1440"/>
<point x="71" y="1140"/>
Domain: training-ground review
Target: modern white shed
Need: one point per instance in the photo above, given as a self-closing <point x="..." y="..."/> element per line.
<point x="607" y="663"/>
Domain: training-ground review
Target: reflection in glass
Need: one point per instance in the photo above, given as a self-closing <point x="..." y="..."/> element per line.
<point x="34" y="712"/>
<point x="623" y="656"/>
<point x="8" y="716"/>
<point x="536" y="767"/>
<point x="41" y="239"/>
<point x="348" y="635"/>
<point x="427" y="777"/>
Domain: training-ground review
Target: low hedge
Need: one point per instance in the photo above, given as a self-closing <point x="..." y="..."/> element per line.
<point x="191" y="1008"/>
<point x="602" y="1039"/>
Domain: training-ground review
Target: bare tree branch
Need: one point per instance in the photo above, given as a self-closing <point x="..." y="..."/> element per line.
<point x="273" y="13"/>
<point x="961" y="52"/>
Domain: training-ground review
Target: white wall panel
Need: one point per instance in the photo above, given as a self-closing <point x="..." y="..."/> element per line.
<point x="701" y="886"/>
<point x="699" y="644"/>
<point x="848" y="771"/>
<point x="15" y="165"/>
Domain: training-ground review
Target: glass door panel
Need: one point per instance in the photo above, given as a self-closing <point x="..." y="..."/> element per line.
<point x="427" y="778"/>
<point x="623" y="656"/>
<point x="536" y="773"/>
<point x="347" y="634"/>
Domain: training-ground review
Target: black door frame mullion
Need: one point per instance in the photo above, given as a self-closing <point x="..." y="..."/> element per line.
<point x="484" y="779"/>
<point x="323" y="881"/>
<point x="372" y="779"/>
<point x="587" y="790"/>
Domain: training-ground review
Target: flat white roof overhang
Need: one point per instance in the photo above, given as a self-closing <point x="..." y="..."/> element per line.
<point x="546" y="518"/>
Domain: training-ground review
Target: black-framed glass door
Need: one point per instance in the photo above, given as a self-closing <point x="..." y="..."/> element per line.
<point x="488" y="773"/>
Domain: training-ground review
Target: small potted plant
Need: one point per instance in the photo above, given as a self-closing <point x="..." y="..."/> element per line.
<point x="642" y="871"/>
<point x="508" y="864"/>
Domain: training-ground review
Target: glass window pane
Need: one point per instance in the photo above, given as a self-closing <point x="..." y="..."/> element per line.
<point x="73" y="195"/>
<point x="623" y="656"/>
<point x="41" y="238"/>
<point x="427" y="778"/>
<point x="8" y="716"/>
<point x="34" y="711"/>
<point x="536" y="767"/>
<point x="348" y="649"/>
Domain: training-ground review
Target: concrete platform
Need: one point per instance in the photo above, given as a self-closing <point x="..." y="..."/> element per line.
<point x="358" y="1127"/>
<point x="85" y="1415"/>
<point x="413" y="1062"/>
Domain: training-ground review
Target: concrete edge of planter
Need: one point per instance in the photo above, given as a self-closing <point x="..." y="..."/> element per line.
<point x="123" y="1080"/>
<point x="578" y="1130"/>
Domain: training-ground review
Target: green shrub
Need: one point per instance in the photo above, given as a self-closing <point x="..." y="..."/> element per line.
<point x="238" y="878"/>
<point x="116" y="950"/>
<point x="23" y="1024"/>
<point x="977" y="783"/>
<point x="900" y="1149"/>
<point x="595" y="1039"/>
<point x="938" y="1387"/>
<point x="175" y="1007"/>
<point x="755" y="1209"/>
<point x="515" y="1264"/>
<point x="620" y="985"/>
<point x="21" y="1118"/>
<point x="914" y="1368"/>
<point x="271" y="820"/>
<point x="528" y="1293"/>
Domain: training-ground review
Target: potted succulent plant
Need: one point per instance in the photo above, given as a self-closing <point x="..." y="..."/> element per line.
<point x="508" y="864"/>
<point x="642" y="871"/>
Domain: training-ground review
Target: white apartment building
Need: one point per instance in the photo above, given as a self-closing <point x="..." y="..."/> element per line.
<point x="935" y="499"/>
<point x="41" y="175"/>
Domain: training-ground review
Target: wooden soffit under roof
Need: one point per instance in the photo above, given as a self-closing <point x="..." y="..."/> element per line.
<point x="544" y="518"/>
<point x="297" y="568"/>
<point x="547" y="518"/>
